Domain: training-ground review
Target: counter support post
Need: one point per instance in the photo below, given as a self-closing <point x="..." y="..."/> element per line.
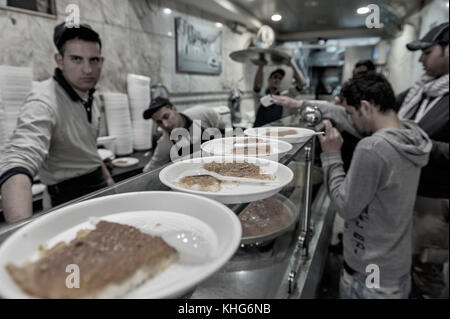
<point x="301" y="250"/>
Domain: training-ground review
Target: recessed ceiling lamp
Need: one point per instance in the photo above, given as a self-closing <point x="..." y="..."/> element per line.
<point x="311" y="3"/>
<point x="276" y="17"/>
<point x="363" y="10"/>
<point x="446" y="4"/>
<point x="219" y="25"/>
<point x="167" y="11"/>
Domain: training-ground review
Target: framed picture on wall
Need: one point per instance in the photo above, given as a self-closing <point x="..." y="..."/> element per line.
<point x="198" y="48"/>
<point x="38" y="7"/>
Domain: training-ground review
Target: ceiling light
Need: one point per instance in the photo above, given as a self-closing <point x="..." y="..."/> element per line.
<point x="167" y="11"/>
<point x="311" y="3"/>
<point x="446" y="4"/>
<point x="276" y="17"/>
<point x="363" y="10"/>
<point x="219" y="25"/>
<point x="169" y="34"/>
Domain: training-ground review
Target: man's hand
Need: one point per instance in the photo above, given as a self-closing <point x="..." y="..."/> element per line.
<point x="332" y="141"/>
<point x="110" y="182"/>
<point x="287" y="101"/>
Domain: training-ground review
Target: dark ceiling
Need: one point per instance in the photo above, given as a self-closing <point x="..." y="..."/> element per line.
<point x="308" y="19"/>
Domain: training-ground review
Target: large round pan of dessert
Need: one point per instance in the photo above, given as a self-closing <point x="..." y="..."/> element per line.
<point x="267" y="219"/>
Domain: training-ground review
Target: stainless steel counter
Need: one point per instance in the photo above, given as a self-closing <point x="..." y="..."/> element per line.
<point x="289" y="266"/>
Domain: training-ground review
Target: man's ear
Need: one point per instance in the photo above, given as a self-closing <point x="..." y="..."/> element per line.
<point x="59" y="60"/>
<point x="366" y="107"/>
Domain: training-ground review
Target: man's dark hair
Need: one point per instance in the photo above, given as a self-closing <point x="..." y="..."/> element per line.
<point x="372" y="87"/>
<point x="82" y="36"/>
<point x="367" y="63"/>
<point x="62" y="34"/>
<point x="278" y="71"/>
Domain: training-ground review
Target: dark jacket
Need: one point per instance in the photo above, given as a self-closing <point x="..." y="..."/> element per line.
<point x="434" y="177"/>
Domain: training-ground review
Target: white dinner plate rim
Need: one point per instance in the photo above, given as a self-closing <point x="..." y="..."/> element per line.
<point x="228" y="250"/>
<point x="218" y="195"/>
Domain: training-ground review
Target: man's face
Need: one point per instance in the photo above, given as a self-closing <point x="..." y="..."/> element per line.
<point x="81" y="64"/>
<point x="275" y="81"/>
<point x="167" y="118"/>
<point x="357" y="119"/>
<point x="435" y="60"/>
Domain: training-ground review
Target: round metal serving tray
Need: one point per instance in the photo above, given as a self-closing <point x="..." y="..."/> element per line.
<point x="266" y="237"/>
<point x="272" y="56"/>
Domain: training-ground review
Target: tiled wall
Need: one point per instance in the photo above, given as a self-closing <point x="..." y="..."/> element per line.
<point x="137" y="37"/>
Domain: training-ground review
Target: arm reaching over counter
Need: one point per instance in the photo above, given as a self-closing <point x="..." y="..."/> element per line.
<point x="16" y="198"/>
<point x="333" y="112"/>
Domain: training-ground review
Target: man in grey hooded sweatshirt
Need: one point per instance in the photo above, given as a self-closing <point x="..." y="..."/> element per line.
<point x="376" y="196"/>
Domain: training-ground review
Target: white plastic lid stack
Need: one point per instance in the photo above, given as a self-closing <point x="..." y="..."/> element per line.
<point x="119" y="122"/>
<point x="15" y="85"/>
<point x="139" y="97"/>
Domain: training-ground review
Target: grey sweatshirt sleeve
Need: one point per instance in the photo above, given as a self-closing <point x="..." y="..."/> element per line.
<point x="337" y="114"/>
<point x="352" y="193"/>
<point x="29" y="144"/>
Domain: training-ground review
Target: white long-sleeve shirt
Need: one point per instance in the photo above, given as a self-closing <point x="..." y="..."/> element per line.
<point x="53" y="136"/>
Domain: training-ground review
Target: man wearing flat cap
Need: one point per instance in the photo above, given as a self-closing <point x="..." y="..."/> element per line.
<point x="195" y="121"/>
<point x="426" y="103"/>
<point x="57" y="130"/>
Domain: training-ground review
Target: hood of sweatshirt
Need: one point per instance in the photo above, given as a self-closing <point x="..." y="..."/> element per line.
<point x="413" y="143"/>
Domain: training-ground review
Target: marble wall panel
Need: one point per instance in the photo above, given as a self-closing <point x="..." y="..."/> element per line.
<point x="15" y="48"/>
<point x="168" y="64"/>
<point x="137" y="38"/>
<point x="148" y="16"/>
<point x="116" y="50"/>
<point x="145" y="49"/>
<point x="41" y="43"/>
<point x="115" y="12"/>
<point x="61" y="6"/>
<point x="91" y="11"/>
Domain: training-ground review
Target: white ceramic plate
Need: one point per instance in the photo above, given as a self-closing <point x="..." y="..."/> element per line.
<point x="224" y="146"/>
<point x="230" y="193"/>
<point x="302" y="135"/>
<point x="125" y="161"/>
<point x="214" y="221"/>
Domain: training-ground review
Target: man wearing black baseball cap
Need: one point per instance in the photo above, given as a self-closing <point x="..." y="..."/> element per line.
<point x="57" y="130"/>
<point x="426" y="103"/>
<point x="195" y="119"/>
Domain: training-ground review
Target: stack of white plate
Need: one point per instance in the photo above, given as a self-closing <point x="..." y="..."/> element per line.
<point x="119" y="122"/>
<point x="15" y="84"/>
<point x="139" y="97"/>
